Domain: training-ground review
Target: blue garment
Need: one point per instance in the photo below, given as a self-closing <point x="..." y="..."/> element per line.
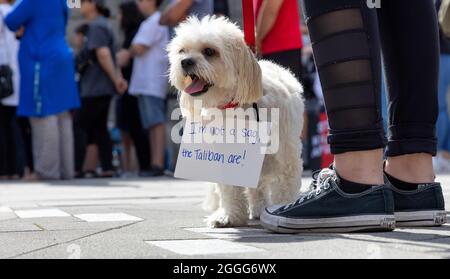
<point x="443" y="122"/>
<point x="47" y="85"/>
<point x="201" y="8"/>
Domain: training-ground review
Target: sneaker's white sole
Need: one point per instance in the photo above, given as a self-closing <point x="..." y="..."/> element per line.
<point x="360" y="223"/>
<point x="431" y="218"/>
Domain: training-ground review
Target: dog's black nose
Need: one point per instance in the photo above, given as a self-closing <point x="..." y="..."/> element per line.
<point x="187" y="63"/>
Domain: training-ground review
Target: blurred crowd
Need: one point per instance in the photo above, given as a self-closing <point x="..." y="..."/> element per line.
<point x="56" y="121"/>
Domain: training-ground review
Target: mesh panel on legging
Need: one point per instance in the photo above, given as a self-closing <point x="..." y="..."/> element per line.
<point x="348" y="66"/>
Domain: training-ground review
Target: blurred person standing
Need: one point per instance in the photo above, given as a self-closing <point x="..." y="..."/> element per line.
<point x="82" y="61"/>
<point x="441" y="162"/>
<point x="149" y="79"/>
<point x="179" y="10"/>
<point x="278" y="33"/>
<point x="176" y="12"/>
<point x="127" y="109"/>
<point x="47" y="87"/>
<point x="12" y="163"/>
<point x="99" y="82"/>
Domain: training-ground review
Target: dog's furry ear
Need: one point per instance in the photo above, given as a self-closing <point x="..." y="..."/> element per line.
<point x="249" y="76"/>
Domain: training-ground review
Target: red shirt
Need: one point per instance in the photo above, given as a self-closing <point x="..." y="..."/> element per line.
<point x="286" y="33"/>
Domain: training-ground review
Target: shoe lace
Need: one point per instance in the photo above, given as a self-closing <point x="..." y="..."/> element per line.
<point x="321" y="179"/>
<point x="321" y="183"/>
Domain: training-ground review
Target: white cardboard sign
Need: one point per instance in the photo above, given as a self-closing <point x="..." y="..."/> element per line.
<point x="235" y="162"/>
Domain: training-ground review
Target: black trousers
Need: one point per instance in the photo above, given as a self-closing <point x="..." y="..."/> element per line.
<point x="348" y="37"/>
<point x="90" y="127"/>
<point x="289" y="59"/>
<point x="129" y="120"/>
<point x="12" y="154"/>
<point x="25" y="133"/>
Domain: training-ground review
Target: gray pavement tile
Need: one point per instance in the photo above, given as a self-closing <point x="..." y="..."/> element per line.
<point x="13" y="225"/>
<point x="204" y="247"/>
<point x="171" y="211"/>
<point x="331" y="247"/>
<point x="99" y="248"/>
<point x="442" y="247"/>
<point x="237" y="233"/>
<point x="72" y="225"/>
<point x="16" y="244"/>
<point x="121" y="243"/>
<point x="7" y="216"/>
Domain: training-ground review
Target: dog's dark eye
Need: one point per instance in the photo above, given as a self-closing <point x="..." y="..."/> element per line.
<point x="209" y="52"/>
<point x="181" y="51"/>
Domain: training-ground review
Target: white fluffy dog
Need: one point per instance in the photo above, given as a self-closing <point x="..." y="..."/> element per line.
<point x="211" y="62"/>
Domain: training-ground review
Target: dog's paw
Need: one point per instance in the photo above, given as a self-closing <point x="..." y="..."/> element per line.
<point x="211" y="202"/>
<point x="254" y="217"/>
<point x="255" y="214"/>
<point x="221" y="219"/>
<point x="256" y="210"/>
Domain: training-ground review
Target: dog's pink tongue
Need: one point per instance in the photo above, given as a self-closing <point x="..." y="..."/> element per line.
<point x="195" y="87"/>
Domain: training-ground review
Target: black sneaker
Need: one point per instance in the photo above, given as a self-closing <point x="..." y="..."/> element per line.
<point x="423" y="207"/>
<point x="326" y="208"/>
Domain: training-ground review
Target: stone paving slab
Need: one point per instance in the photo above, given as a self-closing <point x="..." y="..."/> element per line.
<point x="170" y="217"/>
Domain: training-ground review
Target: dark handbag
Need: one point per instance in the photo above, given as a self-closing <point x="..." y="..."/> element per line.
<point x="85" y="57"/>
<point x="6" y="82"/>
<point x="83" y="61"/>
<point x="6" y="73"/>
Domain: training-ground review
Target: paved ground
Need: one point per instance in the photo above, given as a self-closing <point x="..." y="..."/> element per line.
<point x="163" y="219"/>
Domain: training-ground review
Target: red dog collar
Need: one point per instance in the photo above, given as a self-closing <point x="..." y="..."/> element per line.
<point x="230" y="105"/>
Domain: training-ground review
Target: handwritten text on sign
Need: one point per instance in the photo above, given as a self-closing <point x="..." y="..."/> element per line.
<point x="226" y="154"/>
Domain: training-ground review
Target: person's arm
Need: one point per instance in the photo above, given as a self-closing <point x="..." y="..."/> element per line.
<point x="267" y="17"/>
<point x="124" y="56"/>
<point x="20" y="32"/>
<point x="19" y="15"/>
<point x="98" y="41"/>
<point x="104" y="57"/>
<point x="106" y="61"/>
<point x="138" y="50"/>
<point x="147" y="36"/>
<point x="176" y="12"/>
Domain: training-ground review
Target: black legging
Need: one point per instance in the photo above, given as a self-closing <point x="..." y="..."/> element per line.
<point x="90" y="126"/>
<point x="347" y="37"/>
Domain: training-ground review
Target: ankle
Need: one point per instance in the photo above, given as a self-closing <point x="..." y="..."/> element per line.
<point x="364" y="167"/>
<point x="413" y="168"/>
